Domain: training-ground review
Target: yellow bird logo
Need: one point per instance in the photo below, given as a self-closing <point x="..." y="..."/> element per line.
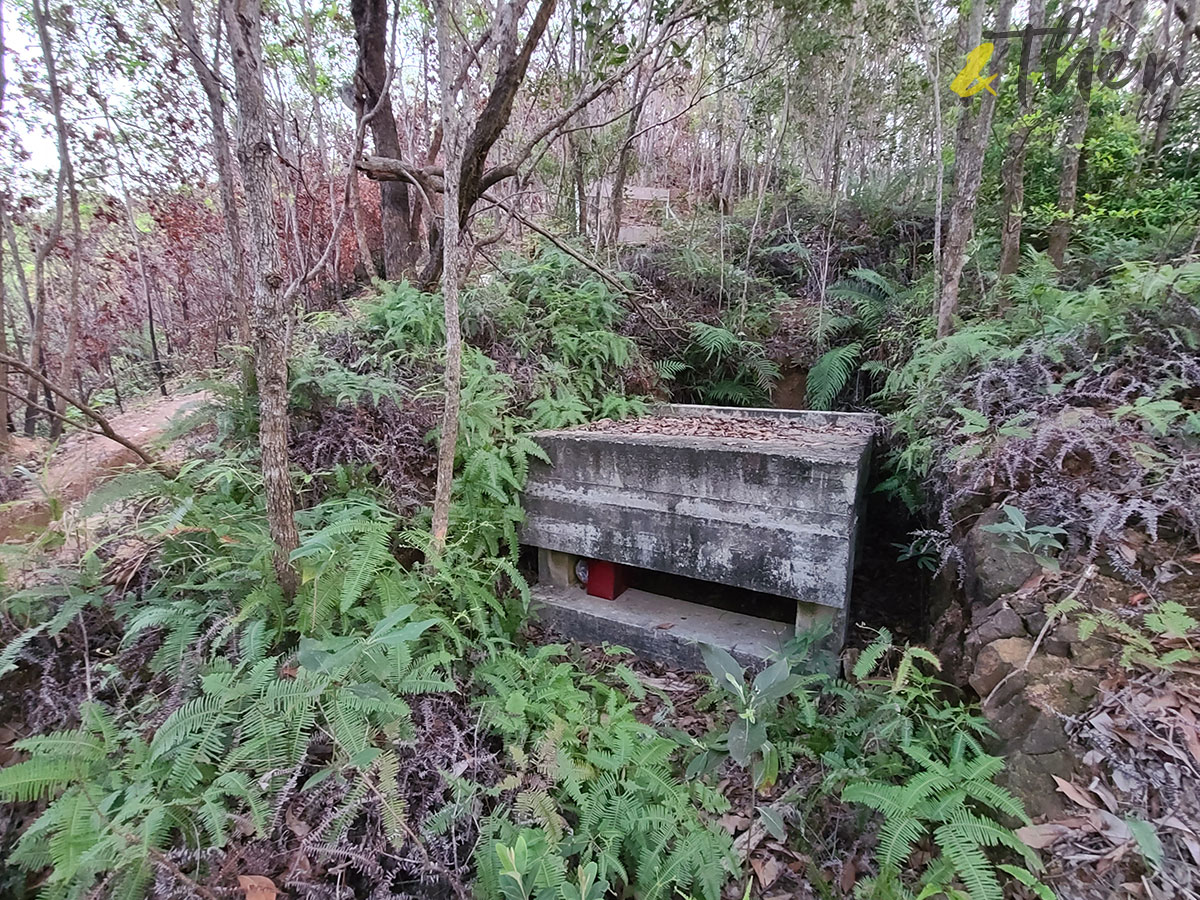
<point x="968" y="83"/>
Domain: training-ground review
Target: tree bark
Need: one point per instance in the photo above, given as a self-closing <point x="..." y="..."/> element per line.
<point x="452" y="150"/>
<point x="271" y="319"/>
<point x="4" y="399"/>
<point x="371" y="34"/>
<point x="238" y="282"/>
<point x="642" y="85"/>
<point x="1012" y="171"/>
<point x="933" y="66"/>
<point x="491" y="122"/>
<point x="1172" y="98"/>
<point x="135" y="237"/>
<point x="972" y="140"/>
<point x="41" y="15"/>
<point x="1060" y="229"/>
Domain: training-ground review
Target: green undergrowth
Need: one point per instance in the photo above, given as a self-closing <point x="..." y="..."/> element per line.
<point x="216" y="716"/>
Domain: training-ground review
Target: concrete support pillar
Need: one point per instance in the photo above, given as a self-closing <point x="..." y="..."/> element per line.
<point x="556" y="568"/>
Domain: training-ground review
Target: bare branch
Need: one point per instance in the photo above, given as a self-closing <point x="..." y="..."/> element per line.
<point x="105" y="429"/>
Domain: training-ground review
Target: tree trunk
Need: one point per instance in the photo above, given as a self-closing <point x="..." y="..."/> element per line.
<point x="642" y="85"/>
<point x="371" y="34"/>
<point x="972" y="140"/>
<point x="238" y="282"/>
<point x="1012" y="172"/>
<point x="1068" y="186"/>
<point x="491" y="122"/>
<point x="41" y="16"/>
<point x="5" y="418"/>
<point x="846" y="96"/>
<point x="135" y="237"/>
<point x="933" y="67"/>
<point x="271" y="317"/>
<point x="453" y="165"/>
<point x="1172" y="98"/>
<point x="360" y="230"/>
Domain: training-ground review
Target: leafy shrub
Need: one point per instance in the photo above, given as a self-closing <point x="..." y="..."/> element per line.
<point x="596" y="798"/>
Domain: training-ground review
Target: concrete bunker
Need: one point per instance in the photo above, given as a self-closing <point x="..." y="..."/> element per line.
<point x="766" y="502"/>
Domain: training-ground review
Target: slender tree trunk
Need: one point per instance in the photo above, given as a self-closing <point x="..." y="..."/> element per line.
<point x="67" y="176"/>
<point x="116" y="385"/>
<point x="1068" y="186"/>
<point x="372" y="78"/>
<point x="360" y="230"/>
<point x="35" y="317"/>
<point x="5" y="418"/>
<point x="642" y="85"/>
<point x="452" y="154"/>
<point x="135" y="237"/>
<point x="933" y="65"/>
<point x="1012" y="171"/>
<point x="238" y="280"/>
<point x="271" y="318"/>
<point x="1172" y="98"/>
<point x="846" y="95"/>
<point x="973" y="134"/>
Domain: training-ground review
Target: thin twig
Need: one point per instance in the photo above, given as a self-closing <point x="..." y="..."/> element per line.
<point x="1087" y="575"/>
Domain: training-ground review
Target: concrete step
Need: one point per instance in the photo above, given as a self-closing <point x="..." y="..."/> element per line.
<point x="658" y="627"/>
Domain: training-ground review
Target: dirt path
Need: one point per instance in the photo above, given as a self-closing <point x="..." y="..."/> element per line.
<point x="84" y="460"/>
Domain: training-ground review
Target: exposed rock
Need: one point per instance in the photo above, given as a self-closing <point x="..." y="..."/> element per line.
<point x="1045" y="735"/>
<point x="1031" y="611"/>
<point x="1058" y="641"/>
<point x="997" y="567"/>
<point x="1011" y="720"/>
<point x="1096" y="652"/>
<point x="1031" y="778"/>
<point x="997" y="659"/>
<point x="996" y="622"/>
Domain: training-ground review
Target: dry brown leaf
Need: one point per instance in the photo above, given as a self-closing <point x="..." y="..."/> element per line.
<point x="849" y="876"/>
<point x="768" y="870"/>
<point x="1106" y="796"/>
<point x="734" y="823"/>
<point x="1076" y="793"/>
<point x="1191" y="733"/>
<point x="1039" y="837"/>
<point x="258" y="887"/>
<point x="1167" y="700"/>
<point x="295" y="824"/>
<point x="1114" y="829"/>
<point x="1032" y="583"/>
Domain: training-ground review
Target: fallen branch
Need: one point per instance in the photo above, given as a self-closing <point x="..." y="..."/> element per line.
<point x="102" y="424"/>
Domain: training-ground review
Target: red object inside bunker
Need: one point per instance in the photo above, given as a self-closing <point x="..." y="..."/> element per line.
<point x="605" y="579"/>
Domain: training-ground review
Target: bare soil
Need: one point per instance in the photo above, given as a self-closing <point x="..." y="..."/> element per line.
<point x="82" y="460"/>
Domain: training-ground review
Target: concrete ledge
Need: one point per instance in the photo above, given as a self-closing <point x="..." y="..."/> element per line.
<point x="658" y="627"/>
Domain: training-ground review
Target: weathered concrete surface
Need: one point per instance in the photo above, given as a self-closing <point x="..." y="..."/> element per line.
<point x="659" y="627"/>
<point x="778" y="517"/>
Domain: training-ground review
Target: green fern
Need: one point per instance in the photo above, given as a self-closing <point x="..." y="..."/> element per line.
<point x="830" y="374"/>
